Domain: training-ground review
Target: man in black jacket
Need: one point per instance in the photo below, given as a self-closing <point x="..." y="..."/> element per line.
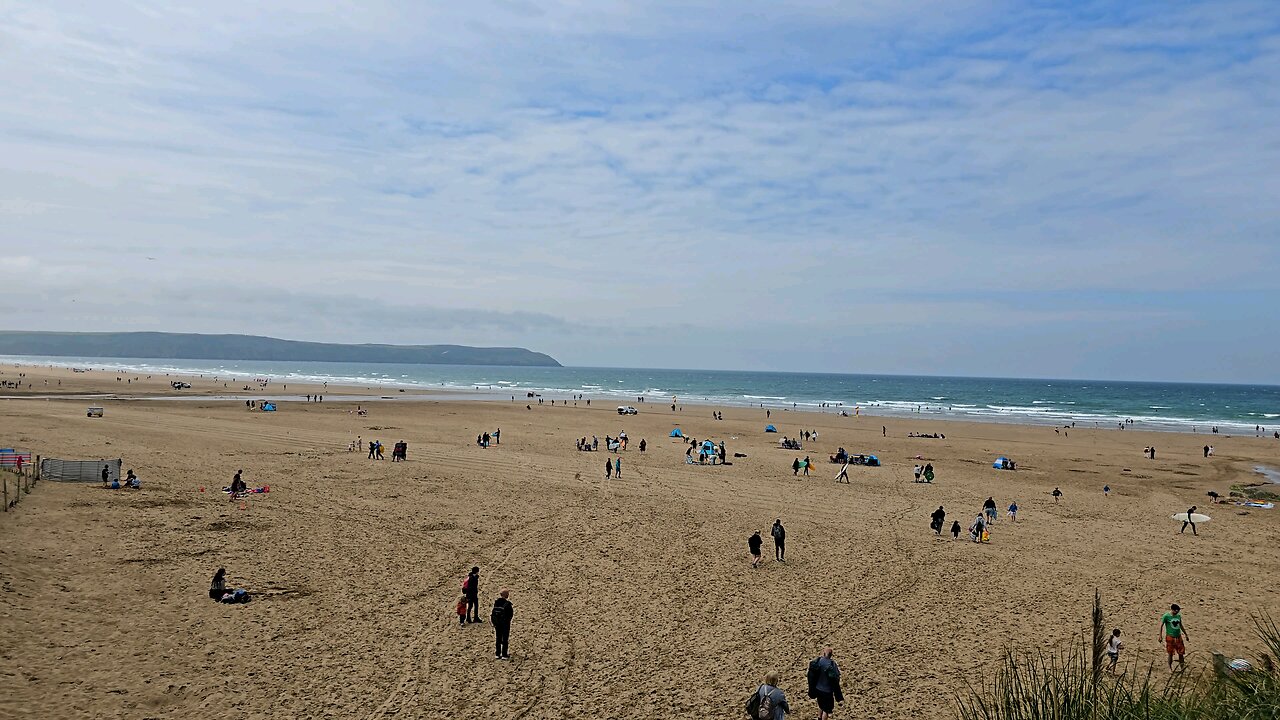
<point x="779" y="541"/>
<point x="472" y="593"/>
<point x="501" y="617"/>
<point x="938" y="517"/>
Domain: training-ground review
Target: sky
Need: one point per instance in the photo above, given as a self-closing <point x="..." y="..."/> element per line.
<point x="952" y="187"/>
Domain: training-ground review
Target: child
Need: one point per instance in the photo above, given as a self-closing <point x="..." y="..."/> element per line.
<point x="1013" y="511"/>
<point x="1114" y="646"/>
<point x="462" y="611"/>
<point x="955" y="530"/>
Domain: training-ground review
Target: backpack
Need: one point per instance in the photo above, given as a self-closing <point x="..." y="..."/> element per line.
<point x="466" y="584"/>
<point x="760" y="705"/>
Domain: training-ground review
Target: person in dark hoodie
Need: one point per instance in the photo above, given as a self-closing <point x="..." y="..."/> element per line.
<point x="501" y="616"/>
<point x="824" y="683"/>
<point x="779" y="541"/>
<point x="938" y="517"/>
<point x="472" y="592"/>
<point x="218" y="587"/>
<point x="753" y="544"/>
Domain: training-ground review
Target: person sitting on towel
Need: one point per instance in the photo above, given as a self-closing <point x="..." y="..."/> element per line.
<point x="219" y="591"/>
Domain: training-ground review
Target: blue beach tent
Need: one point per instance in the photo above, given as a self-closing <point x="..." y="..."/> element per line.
<point x="770" y="428"/>
<point x="268" y="407"/>
<point x="676" y="433"/>
<point x="1001" y="463"/>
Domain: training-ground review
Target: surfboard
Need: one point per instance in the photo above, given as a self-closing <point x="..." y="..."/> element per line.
<point x="1195" y="517"/>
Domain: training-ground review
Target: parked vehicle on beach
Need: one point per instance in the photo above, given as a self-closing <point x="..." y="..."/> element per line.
<point x="626" y="410"/>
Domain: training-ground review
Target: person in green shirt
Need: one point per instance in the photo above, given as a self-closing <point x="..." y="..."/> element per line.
<point x="1174" y="633"/>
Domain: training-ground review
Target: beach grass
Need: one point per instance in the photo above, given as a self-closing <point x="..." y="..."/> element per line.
<point x="1071" y="685"/>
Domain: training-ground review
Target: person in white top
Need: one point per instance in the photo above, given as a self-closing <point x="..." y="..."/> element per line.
<point x="1114" y="646"/>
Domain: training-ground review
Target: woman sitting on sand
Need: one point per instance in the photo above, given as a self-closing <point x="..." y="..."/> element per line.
<point x="218" y="587"/>
<point x="219" y="591"/>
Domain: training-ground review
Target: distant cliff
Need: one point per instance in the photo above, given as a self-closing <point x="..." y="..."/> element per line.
<point x="190" y="346"/>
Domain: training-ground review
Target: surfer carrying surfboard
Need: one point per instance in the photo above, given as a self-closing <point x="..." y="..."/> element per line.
<point x="1189" y="521"/>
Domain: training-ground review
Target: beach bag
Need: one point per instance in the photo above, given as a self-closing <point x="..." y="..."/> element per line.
<point x="466" y="585"/>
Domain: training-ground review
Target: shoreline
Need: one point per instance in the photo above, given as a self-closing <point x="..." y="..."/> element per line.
<point x="254" y="389"/>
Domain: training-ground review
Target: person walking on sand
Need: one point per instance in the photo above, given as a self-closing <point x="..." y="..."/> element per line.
<point x="471" y="591"/>
<point x="779" y="541"/>
<point x="608" y="468"/>
<point x="617" y="467"/>
<point x="1013" y="511"/>
<point x="753" y="544"/>
<point x="501" y="616"/>
<point x="1173" y="633"/>
<point x="978" y="527"/>
<point x="805" y="465"/>
<point x="1188" y="521"/>
<point x="955" y="529"/>
<point x="1114" y="646"/>
<point x="916" y="471"/>
<point x="989" y="509"/>
<point x="795" y="470"/>
<point x="936" y="520"/>
<point x="824" y="683"/>
<point x="768" y="702"/>
<point x="844" y="472"/>
<point x="1056" y="494"/>
<point x="462" y="611"/>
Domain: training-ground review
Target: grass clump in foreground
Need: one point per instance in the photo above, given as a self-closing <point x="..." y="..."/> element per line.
<point x="1074" y="686"/>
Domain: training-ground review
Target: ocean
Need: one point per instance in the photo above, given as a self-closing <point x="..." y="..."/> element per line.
<point x="1151" y="405"/>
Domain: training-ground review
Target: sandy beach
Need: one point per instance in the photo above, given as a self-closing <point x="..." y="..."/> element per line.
<point x="634" y="596"/>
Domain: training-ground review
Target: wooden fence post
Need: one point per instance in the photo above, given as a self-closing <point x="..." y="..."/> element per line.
<point x="4" y="478"/>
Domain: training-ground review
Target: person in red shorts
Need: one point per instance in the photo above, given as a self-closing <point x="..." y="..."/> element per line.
<point x="1174" y="633"/>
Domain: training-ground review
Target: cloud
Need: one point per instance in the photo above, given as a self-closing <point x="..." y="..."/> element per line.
<point x="698" y="173"/>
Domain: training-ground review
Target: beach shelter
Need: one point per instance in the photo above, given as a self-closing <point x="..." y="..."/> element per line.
<point x="675" y="432"/>
<point x="1001" y="463"/>
<point x="770" y="428"/>
<point x="268" y="407"/>
<point x="873" y="461"/>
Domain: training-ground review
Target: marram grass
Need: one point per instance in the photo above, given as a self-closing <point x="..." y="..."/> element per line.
<point x="1064" y="686"/>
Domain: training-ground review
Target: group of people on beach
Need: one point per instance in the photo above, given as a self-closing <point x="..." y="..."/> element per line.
<point x="769" y="702"/>
<point x="468" y="609"/>
<point x="130" y="481"/>
<point x="979" y="529"/>
<point x="755" y="542"/>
